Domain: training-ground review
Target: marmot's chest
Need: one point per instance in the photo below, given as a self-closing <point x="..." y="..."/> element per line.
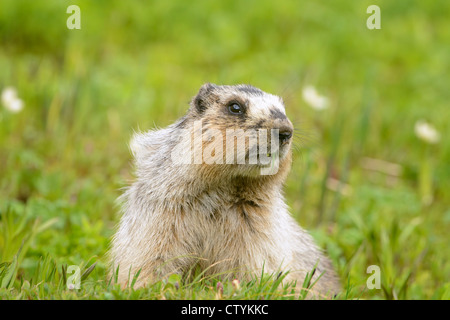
<point x="237" y="219"/>
<point x="232" y="209"/>
<point x="231" y="232"/>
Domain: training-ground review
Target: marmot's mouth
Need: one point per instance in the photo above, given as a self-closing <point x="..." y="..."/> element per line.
<point x="264" y="159"/>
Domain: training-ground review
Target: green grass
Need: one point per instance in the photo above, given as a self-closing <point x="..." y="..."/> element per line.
<point x="64" y="157"/>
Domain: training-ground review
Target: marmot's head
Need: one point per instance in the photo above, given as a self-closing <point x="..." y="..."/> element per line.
<point x="240" y="129"/>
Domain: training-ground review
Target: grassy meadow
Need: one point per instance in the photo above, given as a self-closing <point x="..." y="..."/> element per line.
<point x="369" y="183"/>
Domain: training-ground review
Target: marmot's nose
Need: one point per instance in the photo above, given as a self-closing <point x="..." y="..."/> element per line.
<point x="284" y="135"/>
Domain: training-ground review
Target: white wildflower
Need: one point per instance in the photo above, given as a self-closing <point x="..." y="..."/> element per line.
<point x="16" y="105"/>
<point x="314" y="99"/>
<point x="8" y="95"/>
<point x="11" y="101"/>
<point x="426" y="132"/>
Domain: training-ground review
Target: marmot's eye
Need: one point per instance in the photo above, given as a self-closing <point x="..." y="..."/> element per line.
<point x="235" y="108"/>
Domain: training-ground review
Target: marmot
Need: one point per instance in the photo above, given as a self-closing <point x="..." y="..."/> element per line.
<point x="226" y="217"/>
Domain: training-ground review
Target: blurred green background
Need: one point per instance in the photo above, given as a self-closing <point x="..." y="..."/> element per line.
<point x="368" y="188"/>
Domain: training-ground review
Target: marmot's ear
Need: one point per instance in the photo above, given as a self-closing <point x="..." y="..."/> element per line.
<point x="201" y="99"/>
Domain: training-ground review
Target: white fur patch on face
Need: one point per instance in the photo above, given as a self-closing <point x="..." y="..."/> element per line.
<point x="260" y="107"/>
